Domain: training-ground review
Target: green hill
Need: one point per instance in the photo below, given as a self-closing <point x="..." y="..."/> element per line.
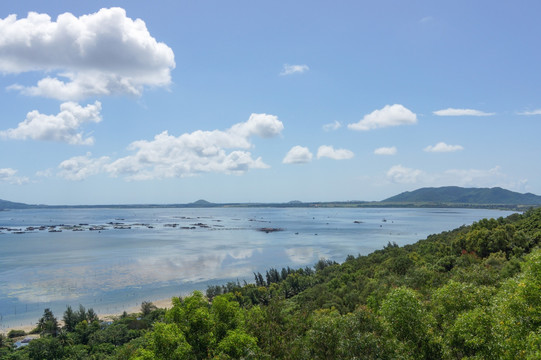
<point x="201" y="203"/>
<point x="459" y="195"/>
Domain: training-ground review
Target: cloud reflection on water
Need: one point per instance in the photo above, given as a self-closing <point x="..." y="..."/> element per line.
<point x="75" y="281"/>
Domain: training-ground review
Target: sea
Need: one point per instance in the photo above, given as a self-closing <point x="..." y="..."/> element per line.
<point x="112" y="259"/>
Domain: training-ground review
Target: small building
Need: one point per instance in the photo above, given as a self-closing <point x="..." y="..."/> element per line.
<point x="23" y="342"/>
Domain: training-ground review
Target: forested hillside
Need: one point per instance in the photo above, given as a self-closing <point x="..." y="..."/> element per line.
<point x="460" y="195"/>
<point x="470" y="293"/>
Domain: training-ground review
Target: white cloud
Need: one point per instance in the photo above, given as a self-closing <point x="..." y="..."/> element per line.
<point x="332" y="126"/>
<point x="475" y="177"/>
<point x="63" y="127"/>
<point x="9" y="176"/>
<point x="47" y="173"/>
<point x="443" y="147"/>
<point x="456" y="177"/>
<point x="298" y="155"/>
<point x="103" y="53"/>
<point x="332" y="153"/>
<point x="403" y="175"/>
<point x="461" y="112"/>
<point x="168" y="156"/>
<point x="80" y="167"/>
<point x="262" y="125"/>
<point x="385" y="151"/>
<point x="294" y="69"/>
<point x="390" y="115"/>
<point x="534" y="112"/>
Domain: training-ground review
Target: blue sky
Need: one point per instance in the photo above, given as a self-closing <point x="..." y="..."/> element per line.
<point x="169" y="102"/>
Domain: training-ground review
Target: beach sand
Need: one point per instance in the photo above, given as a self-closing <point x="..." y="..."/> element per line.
<point x="162" y="304"/>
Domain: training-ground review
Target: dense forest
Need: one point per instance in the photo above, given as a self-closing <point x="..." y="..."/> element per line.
<point x="470" y="293"/>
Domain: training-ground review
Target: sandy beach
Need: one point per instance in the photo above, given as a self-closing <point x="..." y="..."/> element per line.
<point x="162" y="304"/>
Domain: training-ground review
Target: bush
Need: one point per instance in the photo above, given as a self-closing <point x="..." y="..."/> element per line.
<point x="16" y="333"/>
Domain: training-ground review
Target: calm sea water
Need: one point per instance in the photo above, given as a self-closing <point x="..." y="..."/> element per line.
<point x="170" y="252"/>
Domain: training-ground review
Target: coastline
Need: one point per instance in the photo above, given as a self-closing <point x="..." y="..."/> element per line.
<point x="189" y="256"/>
<point x="161" y="303"/>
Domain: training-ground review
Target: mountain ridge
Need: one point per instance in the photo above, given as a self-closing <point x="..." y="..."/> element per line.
<point x="460" y="195"/>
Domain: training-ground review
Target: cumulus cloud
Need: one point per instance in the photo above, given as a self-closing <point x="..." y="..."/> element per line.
<point x="9" y="176"/>
<point x="443" y="147"/>
<point x="103" y="53"/>
<point x="294" y="69"/>
<point x="456" y="177"/>
<point x="80" y="167"/>
<point x="461" y="112"/>
<point x="385" y="151"/>
<point x="390" y="115"/>
<point x="332" y="126"/>
<point x="528" y="113"/>
<point x="403" y="175"/>
<point x="332" y="153"/>
<point x="62" y="127"/>
<point x="168" y="156"/>
<point x="298" y="155"/>
<point x="262" y="125"/>
<point x="477" y="177"/>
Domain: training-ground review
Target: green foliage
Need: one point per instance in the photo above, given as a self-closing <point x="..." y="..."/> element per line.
<point x="47" y="324"/>
<point x="454" y="298"/>
<point x="16" y="333"/>
<point x="471" y="336"/>
<point x="405" y="317"/>
<point x="166" y="342"/>
<point x="147" y="307"/>
<point x="237" y="344"/>
<point x="192" y="316"/>
<point x="70" y="319"/>
<point x="46" y="348"/>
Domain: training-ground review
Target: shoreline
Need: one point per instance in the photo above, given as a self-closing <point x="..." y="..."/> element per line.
<point x="160" y="303"/>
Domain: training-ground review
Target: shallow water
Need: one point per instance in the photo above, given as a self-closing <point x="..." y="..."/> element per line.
<point x="113" y="269"/>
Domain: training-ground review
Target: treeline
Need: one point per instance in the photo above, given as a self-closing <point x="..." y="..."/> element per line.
<point x="470" y="293"/>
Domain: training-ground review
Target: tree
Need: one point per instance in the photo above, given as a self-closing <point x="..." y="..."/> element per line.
<point x="455" y="297"/>
<point x="238" y="345"/>
<point x="471" y="335"/>
<point x="406" y="319"/>
<point x="70" y="319"/>
<point x="193" y="318"/>
<point x="47" y="324"/>
<point x="3" y="340"/>
<point x="323" y="338"/>
<point x="165" y="342"/>
<point x="46" y="348"/>
<point x="147" y="307"/>
<point x="517" y="311"/>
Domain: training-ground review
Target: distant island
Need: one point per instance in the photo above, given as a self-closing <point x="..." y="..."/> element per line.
<point x="471" y="196"/>
<point x="447" y="196"/>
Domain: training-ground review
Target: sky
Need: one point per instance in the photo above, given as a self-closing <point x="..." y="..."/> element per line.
<point x="134" y="102"/>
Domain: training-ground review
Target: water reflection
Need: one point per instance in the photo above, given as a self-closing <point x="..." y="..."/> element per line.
<point x="109" y="269"/>
<point x="76" y="281"/>
<point x="301" y="255"/>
